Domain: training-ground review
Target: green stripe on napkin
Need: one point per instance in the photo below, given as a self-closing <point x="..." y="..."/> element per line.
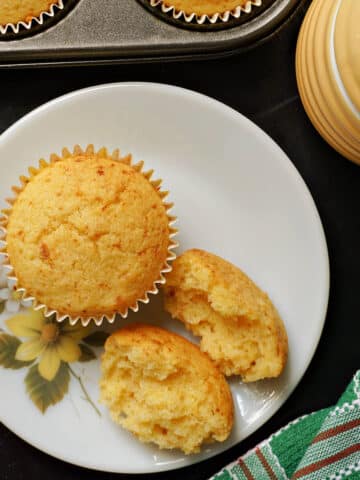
<point x="324" y="445"/>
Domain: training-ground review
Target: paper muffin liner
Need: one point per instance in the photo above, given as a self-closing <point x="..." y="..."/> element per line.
<point x="16" y="28"/>
<point x="13" y="282"/>
<point x="220" y="17"/>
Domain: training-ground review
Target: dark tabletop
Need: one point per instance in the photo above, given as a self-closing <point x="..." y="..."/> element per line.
<point x="260" y="84"/>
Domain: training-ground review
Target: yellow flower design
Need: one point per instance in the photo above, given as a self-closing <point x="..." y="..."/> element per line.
<point x="48" y="340"/>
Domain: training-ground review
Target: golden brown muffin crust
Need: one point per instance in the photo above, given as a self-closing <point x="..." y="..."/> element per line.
<point x="238" y="325"/>
<point x="88" y="235"/>
<point x="164" y="390"/>
<point x="205" y="7"/>
<point x="23" y="10"/>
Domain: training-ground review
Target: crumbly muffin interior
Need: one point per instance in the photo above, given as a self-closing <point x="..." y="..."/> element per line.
<point x="164" y="390"/>
<point x="238" y="326"/>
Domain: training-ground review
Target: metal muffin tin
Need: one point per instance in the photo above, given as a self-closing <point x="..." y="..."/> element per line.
<point x="123" y="31"/>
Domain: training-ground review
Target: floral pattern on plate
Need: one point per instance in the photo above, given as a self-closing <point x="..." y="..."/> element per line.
<point x="46" y="349"/>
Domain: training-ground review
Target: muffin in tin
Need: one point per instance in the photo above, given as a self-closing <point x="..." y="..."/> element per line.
<point x="219" y="13"/>
<point x="205" y="7"/>
<point x="25" y="15"/>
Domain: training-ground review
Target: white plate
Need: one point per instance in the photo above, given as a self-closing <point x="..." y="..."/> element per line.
<point x="236" y="194"/>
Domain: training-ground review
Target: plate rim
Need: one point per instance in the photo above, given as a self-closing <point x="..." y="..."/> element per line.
<point x="287" y="164"/>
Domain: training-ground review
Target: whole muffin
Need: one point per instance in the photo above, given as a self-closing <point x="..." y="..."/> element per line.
<point x="88" y="235"/>
<point x="238" y="326"/>
<point x="23" y="10"/>
<point x="164" y="390"/>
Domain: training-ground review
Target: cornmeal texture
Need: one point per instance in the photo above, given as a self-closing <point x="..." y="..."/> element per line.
<point x="88" y="236"/>
<point x="164" y="390"/>
<point x="205" y="7"/>
<point x="238" y="325"/>
<point x="14" y="11"/>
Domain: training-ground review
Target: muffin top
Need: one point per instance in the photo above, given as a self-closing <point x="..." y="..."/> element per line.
<point x="205" y="7"/>
<point x="22" y="10"/>
<point x="88" y="235"/>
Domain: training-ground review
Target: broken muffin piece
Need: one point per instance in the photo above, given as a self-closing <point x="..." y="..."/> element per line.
<point x="238" y="326"/>
<point x="164" y="390"/>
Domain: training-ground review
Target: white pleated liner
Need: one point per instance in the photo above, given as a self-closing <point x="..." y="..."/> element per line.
<point x="98" y="320"/>
<point x="201" y="19"/>
<point x="16" y="27"/>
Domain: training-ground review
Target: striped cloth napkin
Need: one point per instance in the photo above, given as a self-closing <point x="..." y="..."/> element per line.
<point x="324" y="445"/>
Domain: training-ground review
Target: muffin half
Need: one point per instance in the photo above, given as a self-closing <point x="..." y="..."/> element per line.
<point x="164" y="390"/>
<point x="238" y="326"/>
